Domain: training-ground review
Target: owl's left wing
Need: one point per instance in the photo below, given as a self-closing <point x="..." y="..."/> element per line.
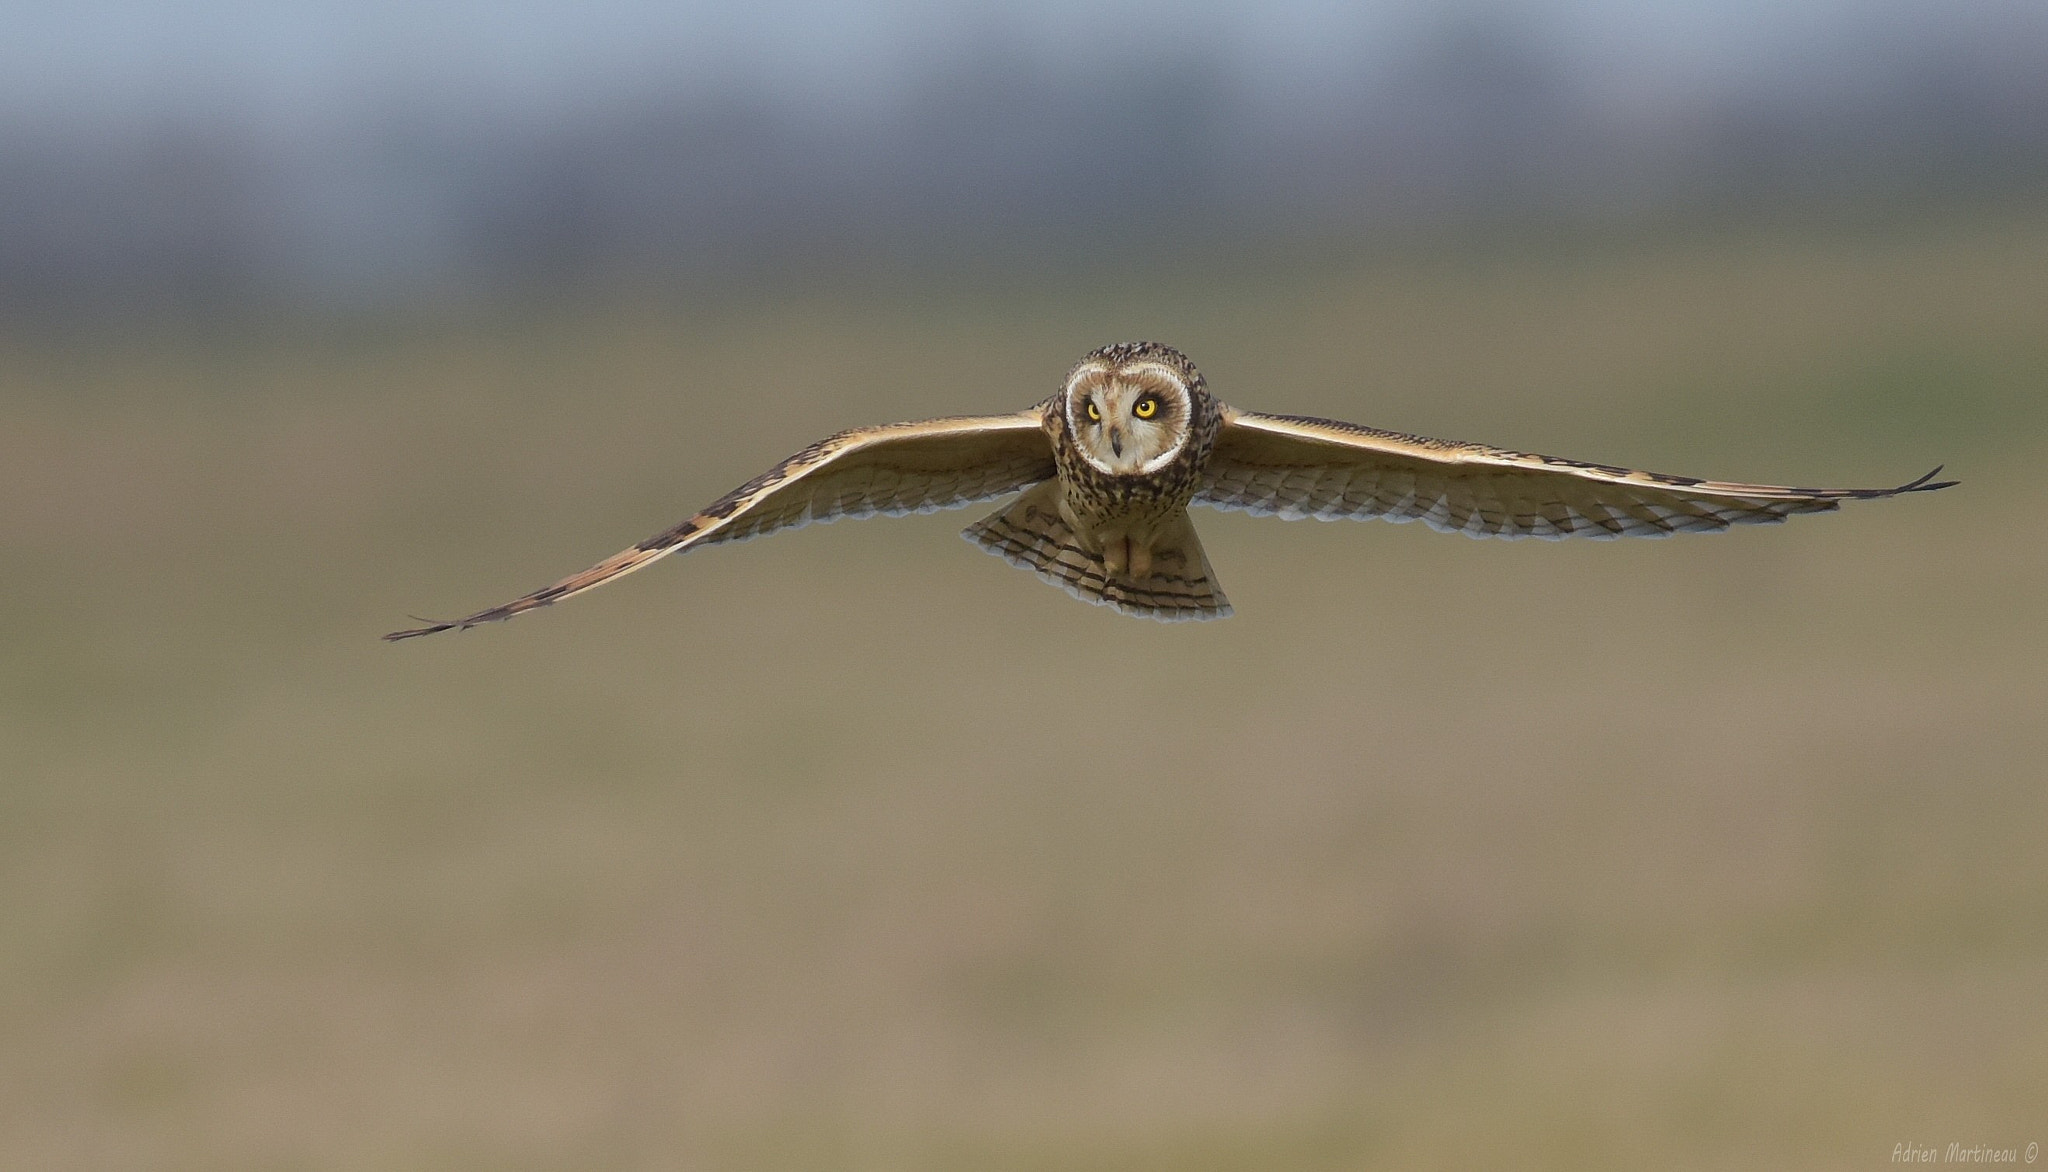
<point x="1293" y="466"/>
<point x="894" y="469"/>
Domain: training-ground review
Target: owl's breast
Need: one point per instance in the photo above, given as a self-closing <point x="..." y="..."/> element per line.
<point x="1096" y="499"/>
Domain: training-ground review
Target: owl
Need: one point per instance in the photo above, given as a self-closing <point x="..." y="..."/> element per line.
<point x="1107" y="468"/>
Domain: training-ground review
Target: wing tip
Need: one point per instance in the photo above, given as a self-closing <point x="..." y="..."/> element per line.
<point x="1927" y="482"/>
<point x="432" y="627"/>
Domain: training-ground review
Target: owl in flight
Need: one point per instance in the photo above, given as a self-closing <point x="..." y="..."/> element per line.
<point x="1109" y="465"/>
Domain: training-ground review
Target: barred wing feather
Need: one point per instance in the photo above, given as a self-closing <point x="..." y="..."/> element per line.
<point x="1295" y="466"/>
<point x="891" y="470"/>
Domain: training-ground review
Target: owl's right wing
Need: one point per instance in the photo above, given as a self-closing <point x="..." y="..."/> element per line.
<point x="893" y="469"/>
<point x="1294" y="466"/>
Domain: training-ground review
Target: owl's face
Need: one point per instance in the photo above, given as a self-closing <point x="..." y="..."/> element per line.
<point x="1128" y="419"/>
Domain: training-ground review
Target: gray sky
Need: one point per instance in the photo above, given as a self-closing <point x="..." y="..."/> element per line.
<point x="344" y="144"/>
<point x="287" y="62"/>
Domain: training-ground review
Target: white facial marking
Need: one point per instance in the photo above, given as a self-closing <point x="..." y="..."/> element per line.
<point x="1121" y="441"/>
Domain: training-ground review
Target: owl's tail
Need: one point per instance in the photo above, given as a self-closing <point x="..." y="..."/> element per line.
<point x="1030" y="533"/>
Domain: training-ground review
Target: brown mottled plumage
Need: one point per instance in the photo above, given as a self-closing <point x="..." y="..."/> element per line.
<point x="1113" y="460"/>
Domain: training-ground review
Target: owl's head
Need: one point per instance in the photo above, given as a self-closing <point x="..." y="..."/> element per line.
<point x="1130" y="407"/>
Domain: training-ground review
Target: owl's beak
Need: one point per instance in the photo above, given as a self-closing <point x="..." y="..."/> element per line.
<point x="1116" y="440"/>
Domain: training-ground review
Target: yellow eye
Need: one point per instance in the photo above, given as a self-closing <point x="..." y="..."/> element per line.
<point x="1092" y="412"/>
<point x="1147" y="407"/>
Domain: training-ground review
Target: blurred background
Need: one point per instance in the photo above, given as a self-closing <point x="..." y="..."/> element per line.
<point x="859" y="849"/>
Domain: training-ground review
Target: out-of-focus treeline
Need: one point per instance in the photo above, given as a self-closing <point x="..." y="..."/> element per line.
<point x="1001" y="149"/>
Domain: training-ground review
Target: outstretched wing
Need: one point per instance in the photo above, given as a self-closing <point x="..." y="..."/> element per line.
<point x="1293" y="466"/>
<point x="895" y="469"/>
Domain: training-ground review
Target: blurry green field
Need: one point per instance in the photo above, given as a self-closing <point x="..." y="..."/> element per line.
<point x="858" y="849"/>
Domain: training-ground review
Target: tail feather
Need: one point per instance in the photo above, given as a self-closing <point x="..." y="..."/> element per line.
<point x="1030" y="533"/>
